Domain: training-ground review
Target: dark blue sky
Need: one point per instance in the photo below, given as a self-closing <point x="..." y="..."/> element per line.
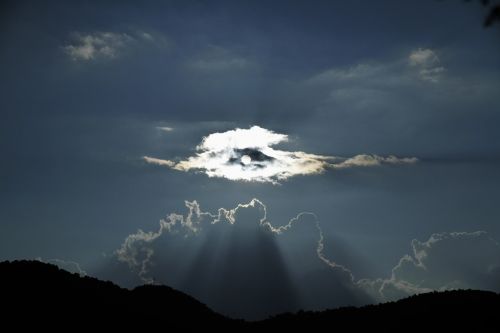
<point x="85" y="88"/>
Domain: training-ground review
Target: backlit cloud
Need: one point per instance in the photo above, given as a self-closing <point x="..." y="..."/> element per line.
<point x="158" y="161"/>
<point x="137" y="249"/>
<point x="372" y="160"/>
<point x="67" y="265"/>
<point x="448" y="260"/>
<point x="240" y="256"/>
<point x="248" y="155"/>
<point x="242" y="248"/>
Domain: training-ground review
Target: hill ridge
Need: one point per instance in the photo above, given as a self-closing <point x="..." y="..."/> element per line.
<point x="42" y="292"/>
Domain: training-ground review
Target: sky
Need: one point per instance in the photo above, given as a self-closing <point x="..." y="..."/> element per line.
<point x="262" y="156"/>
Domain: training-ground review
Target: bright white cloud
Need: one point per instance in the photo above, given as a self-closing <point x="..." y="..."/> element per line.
<point x="428" y="63"/>
<point x="248" y="155"/>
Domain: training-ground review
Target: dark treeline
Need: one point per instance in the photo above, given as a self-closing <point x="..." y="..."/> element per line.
<point x="36" y="294"/>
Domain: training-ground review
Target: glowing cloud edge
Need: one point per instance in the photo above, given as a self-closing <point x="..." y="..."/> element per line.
<point x="220" y="155"/>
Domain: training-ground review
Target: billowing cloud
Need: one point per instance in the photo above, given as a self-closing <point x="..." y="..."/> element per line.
<point x="136" y="250"/>
<point x="248" y="155"/>
<point x="208" y="254"/>
<point x="137" y="253"/>
<point x="238" y="262"/>
<point x="428" y="64"/>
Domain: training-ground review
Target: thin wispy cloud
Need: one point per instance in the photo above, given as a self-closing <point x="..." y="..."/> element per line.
<point x="67" y="265"/>
<point x="86" y="47"/>
<point x="447" y="260"/>
<point x="216" y="59"/>
<point x="380" y="75"/>
<point x="158" y="161"/>
<point x="165" y="128"/>
<point x="428" y="64"/>
<point x="97" y="45"/>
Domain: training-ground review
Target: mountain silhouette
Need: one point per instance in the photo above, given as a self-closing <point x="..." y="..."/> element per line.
<point x="37" y="294"/>
<point x="457" y="310"/>
<point x="48" y="296"/>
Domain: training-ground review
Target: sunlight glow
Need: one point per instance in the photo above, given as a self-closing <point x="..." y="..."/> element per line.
<point x="248" y="155"/>
<point x="245" y="159"/>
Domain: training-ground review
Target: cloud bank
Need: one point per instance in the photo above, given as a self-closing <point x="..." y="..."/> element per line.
<point x="248" y="155"/>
